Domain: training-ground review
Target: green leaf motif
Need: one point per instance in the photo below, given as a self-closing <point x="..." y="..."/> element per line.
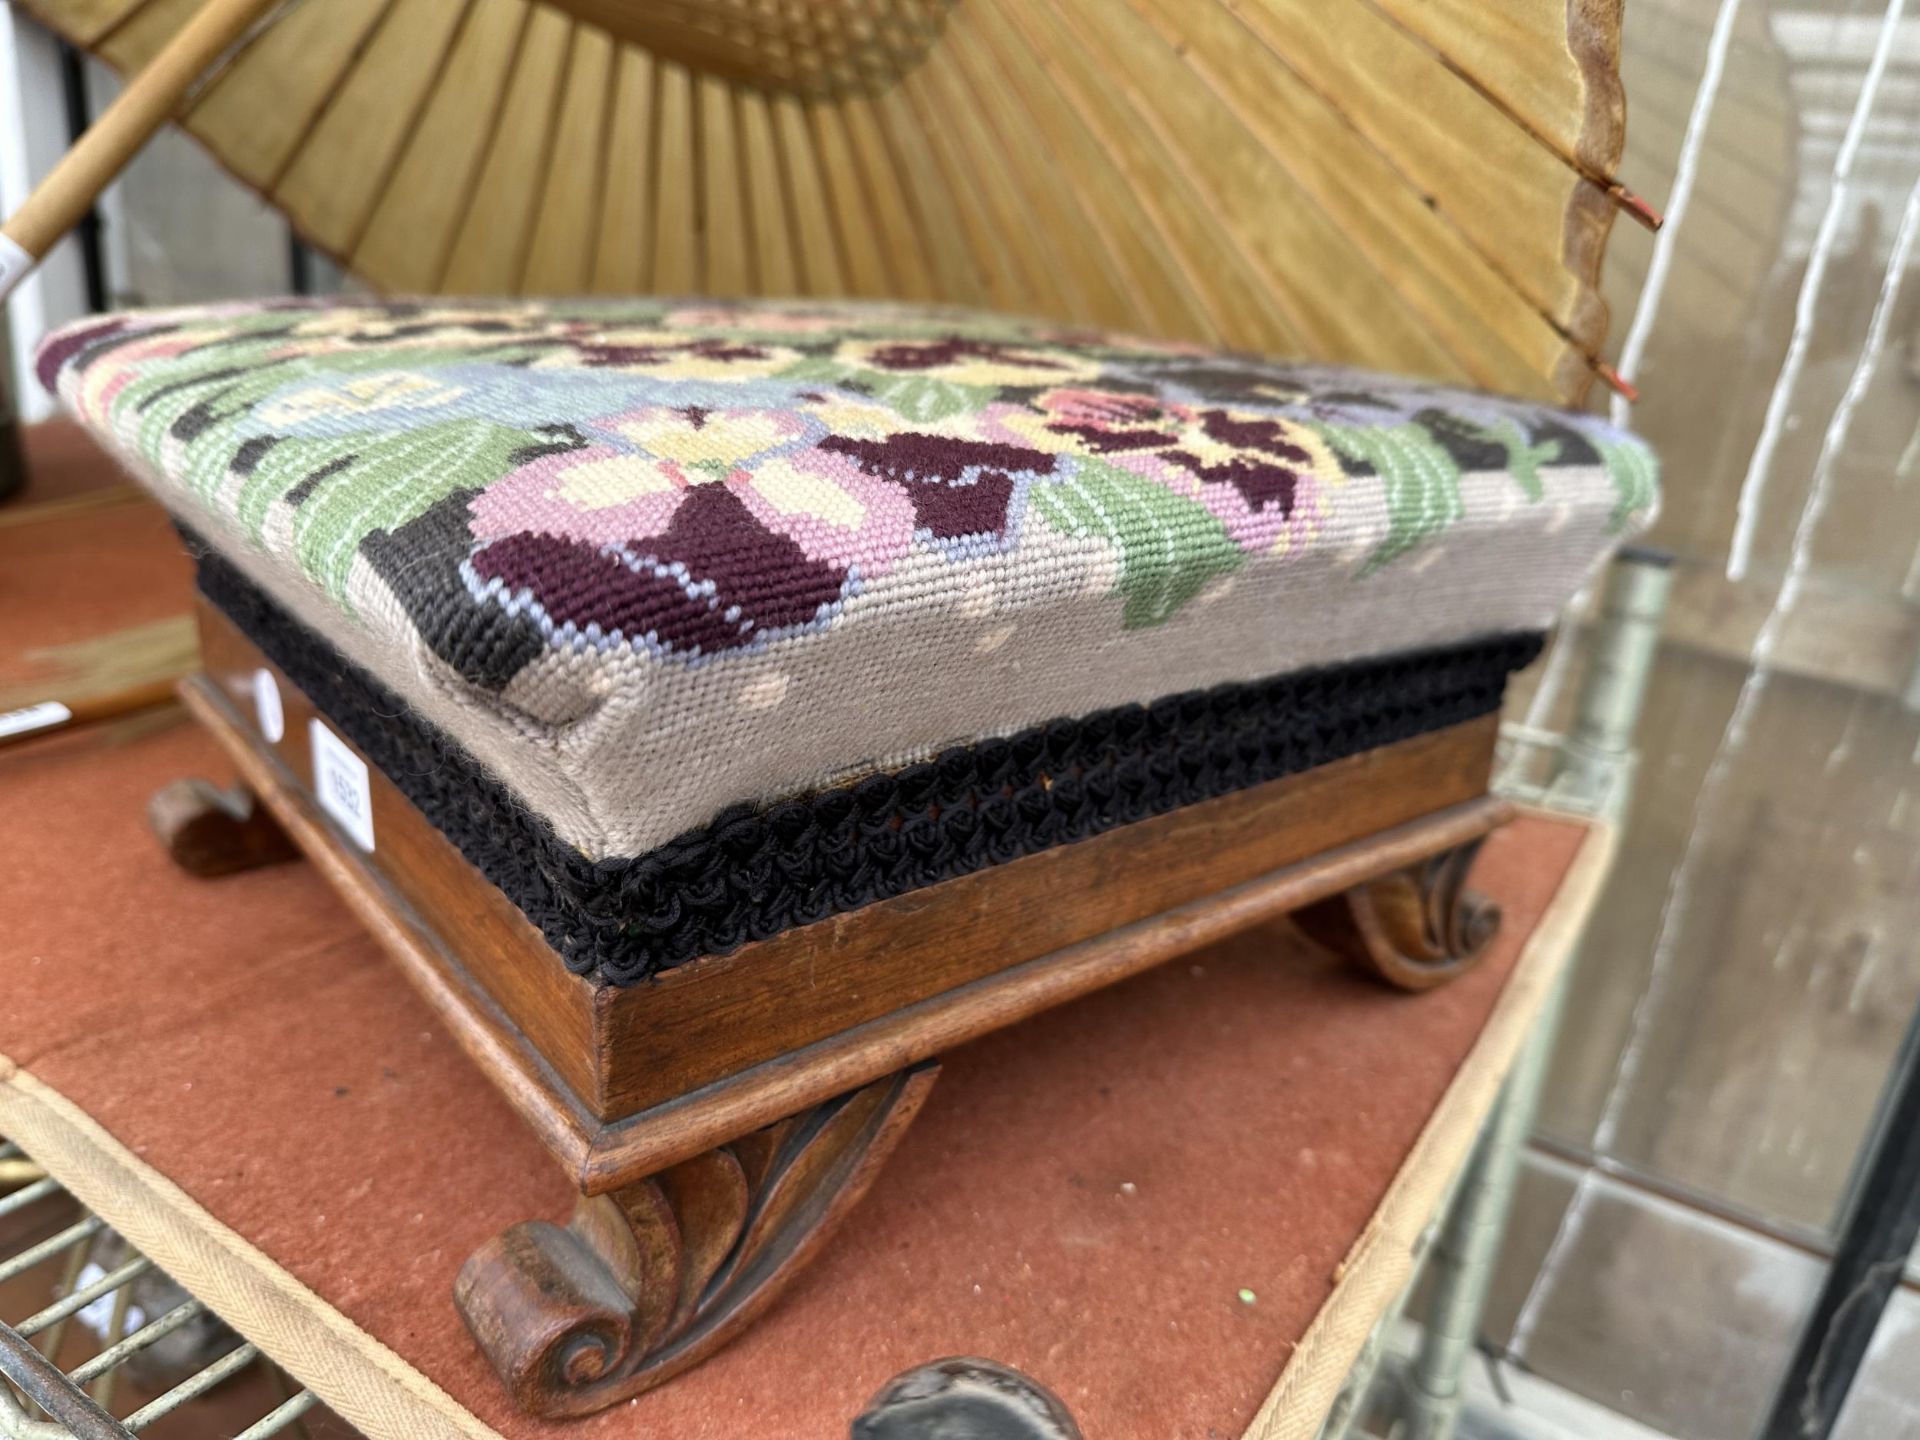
<point x="1524" y="457"/>
<point x="922" y="399"/>
<point x="392" y="479"/>
<point x="1635" y="475"/>
<point x="1169" y="546"/>
<point x="817" y="370"/>
<point x="247" y="375"/>
<point x="1421" y="480"/>
<point x="286" y="464"/>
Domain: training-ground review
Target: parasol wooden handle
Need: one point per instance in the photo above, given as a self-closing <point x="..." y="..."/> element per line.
<point x="149" y="100"/>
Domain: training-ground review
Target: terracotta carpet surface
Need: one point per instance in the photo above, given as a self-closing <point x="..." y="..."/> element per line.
<point x="83" y="557"/>
<point x="1085" y="1196"/>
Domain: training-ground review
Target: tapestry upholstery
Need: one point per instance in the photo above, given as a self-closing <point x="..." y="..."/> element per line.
<point x="637" y="574"/>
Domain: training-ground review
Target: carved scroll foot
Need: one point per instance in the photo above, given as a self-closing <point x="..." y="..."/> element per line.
<point x="1416" y="927"/>
<point x="651" y="1279"/>
<point x="209" y="831"/>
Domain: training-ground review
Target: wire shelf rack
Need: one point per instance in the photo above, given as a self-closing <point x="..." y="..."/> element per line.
<point x="99" y="1343"/>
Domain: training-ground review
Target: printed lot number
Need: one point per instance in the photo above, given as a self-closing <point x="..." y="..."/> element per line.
<point x="341" y="786"/>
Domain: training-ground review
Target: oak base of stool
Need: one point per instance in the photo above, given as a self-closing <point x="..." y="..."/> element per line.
<point x="208" y="831"/>
<point x="719" y="1120"/>
<point x="1415" y="927"/>
<point x="646" y="1281"/>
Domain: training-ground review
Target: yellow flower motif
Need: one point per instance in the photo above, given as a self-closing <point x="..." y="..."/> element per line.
<point x="362" y="395"/>
<point x="711" y="439"/>
<point x="613" y="480"/>
<point x="380" y="323"/>
<point x="1221" y="436"/>
<point x="793" y="491"/>
<point x="1029" y="427"/>
<point x="845" y="415"/>
<point x="963" y="361"/>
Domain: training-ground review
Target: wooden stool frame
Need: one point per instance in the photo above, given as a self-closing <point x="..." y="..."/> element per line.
<point x="719" y="1119"/>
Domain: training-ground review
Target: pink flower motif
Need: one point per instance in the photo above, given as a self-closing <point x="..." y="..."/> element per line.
<point x="832" y="510"/>
<point x="700" y="531"/>
<point x="600" y="495"/>
<point x="1105" y="421"/>
<point x="127" y="363"/>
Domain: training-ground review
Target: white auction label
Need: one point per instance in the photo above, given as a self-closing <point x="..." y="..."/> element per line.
<point x="14" y="265"/>
<point x="340" y="784"/>
<point x="266" y="706"/>
<point x="43" y="716"/>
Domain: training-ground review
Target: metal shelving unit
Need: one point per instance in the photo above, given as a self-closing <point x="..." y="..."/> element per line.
<point x="107" y="1347"/>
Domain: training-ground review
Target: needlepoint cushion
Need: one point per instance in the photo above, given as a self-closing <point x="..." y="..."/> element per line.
<point x="637" y="599"/>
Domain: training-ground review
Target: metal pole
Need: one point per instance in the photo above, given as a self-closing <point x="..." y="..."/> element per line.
<point x="73" y="89"/>
<point x="1597" y="764"/>
<point x="13" y="455"/>
<point x="1599" y="754"/>
<point x="1463" y="1259"/>
<point x="1348" y="1411"/>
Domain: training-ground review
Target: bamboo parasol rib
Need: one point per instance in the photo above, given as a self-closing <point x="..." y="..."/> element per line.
<point x="1423" y="186"/>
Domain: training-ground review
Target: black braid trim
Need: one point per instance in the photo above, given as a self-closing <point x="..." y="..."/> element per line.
<point x="757" y="870"/>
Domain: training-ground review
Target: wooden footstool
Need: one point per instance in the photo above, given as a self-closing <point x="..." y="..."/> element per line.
<point x="721" y="711"/>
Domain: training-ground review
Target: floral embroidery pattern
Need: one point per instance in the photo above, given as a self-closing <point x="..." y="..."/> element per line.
<point x="694" y="480"/>
<point x="1259" y="474"/>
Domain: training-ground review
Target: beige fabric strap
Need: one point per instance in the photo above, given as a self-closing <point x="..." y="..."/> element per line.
<point x="1380" y="1264"/>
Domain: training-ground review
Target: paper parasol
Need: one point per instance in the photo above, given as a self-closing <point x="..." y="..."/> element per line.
<point x="1422" y="186"/>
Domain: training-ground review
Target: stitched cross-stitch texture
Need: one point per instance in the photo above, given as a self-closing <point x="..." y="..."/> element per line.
<point x="756" y="870"/>
<point x="646" y="560"/>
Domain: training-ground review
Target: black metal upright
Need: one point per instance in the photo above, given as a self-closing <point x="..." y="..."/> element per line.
<point x="299" y="266"/>
<point x="13" y="455"/>
<point x="1875" y="1241"/>
<point x="79" y="108"/>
